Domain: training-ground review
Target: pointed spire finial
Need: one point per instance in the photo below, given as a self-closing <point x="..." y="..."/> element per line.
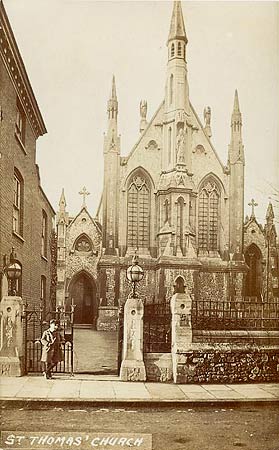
<point x="113" y="89"/>
<point x="236" y="102"/>
<point x="113" y="103"/>
<point x="177" y="27"/>
<point x="62" y="201"/>
<point x="269" y="213"/>
<point x="236" y="119"/>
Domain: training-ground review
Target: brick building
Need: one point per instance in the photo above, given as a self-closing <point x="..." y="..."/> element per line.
<point x="26" y="214"/>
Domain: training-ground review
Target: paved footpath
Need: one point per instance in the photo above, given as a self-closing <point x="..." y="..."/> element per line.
<point x="109" y="389"/>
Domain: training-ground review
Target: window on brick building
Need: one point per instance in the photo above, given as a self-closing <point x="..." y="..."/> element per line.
<point x="209" y="206"/>
<point x="44" y="234"/>
<point x="138" y="212"/>
<point x="18" y="203"/>
<point x="20" y="123"/>
<point x="43" y="295"/>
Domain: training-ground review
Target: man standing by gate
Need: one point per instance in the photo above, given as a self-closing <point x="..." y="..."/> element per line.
<point x="51" y="350"/>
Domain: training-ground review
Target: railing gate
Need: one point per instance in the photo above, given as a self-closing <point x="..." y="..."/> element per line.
<point x="35" y="324"/>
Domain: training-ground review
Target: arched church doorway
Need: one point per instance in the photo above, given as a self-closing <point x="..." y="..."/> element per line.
<point x="95" y="351"/>
<point x="82" y="292"/>
<point x="253" y="284"/>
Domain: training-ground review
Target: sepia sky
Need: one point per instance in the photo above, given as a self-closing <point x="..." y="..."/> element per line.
<point x="71" y="48"/>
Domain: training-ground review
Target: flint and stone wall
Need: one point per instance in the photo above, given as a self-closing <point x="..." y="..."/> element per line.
<point x="213" y="356"/>
<point x="230" y="365"/>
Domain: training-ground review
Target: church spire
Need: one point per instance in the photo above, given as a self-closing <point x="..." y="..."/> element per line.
<point x="110" y="198"/>
<point x="236" y="148"/>
<point x="62" y="202"/>
<point x="269" y="213"/>
<point x="113" y="103"/>
<point x="236" y="119"/>
<point x="62" y="215"/>
<point x="236" y="108"/>
<point x="236" y="161"/>
<point x="177" y="27"/>
<point x="177" y="109"/>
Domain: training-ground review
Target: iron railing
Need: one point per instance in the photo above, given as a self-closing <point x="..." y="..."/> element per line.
<point x="248" y="314"/>
<point x="157" y="327"/>
<point x="34" y="326"/>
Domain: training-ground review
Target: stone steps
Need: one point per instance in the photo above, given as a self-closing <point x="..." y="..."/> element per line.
<point x="95" y="352"/>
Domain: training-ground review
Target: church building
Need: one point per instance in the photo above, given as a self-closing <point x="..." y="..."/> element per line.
<point x="171" y="199"/>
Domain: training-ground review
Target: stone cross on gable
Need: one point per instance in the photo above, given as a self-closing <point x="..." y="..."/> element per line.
<point x="84" y="193"/>
<point x="253" y="204"/>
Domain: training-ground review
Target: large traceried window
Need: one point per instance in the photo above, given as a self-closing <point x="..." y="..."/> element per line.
<point x="138" y="213"/>
<point x="208" y="222"/>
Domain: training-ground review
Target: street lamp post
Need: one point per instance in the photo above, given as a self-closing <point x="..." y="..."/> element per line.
<point x="132" y="367"/>
<point x="135" y="273"/>
<point x="13" y="273"/>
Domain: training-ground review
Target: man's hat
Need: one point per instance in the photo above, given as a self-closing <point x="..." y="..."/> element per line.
<point x="52" y="321"/>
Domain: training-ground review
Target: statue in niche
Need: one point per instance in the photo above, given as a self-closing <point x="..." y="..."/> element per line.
<point x="207" y="115"/>
<point x="143" y="109"/>
<point x="207" y="120"/>
<point x="8" y="325"/>
<point x="180" y="146"/>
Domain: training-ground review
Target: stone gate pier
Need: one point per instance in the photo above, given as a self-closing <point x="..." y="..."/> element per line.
<point x="132" y="366"/>
<point x="11" y="336"/>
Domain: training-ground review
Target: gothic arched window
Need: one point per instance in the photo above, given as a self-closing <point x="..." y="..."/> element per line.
<point x="180" y="211"/>
<point x="138" y="219"/>
<point x="169" y="144"/>
<point x="166" y="211"/>
<point x="209" y="199"/>
<point x="171" y="90"/>
<point x="172" y="50"/>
